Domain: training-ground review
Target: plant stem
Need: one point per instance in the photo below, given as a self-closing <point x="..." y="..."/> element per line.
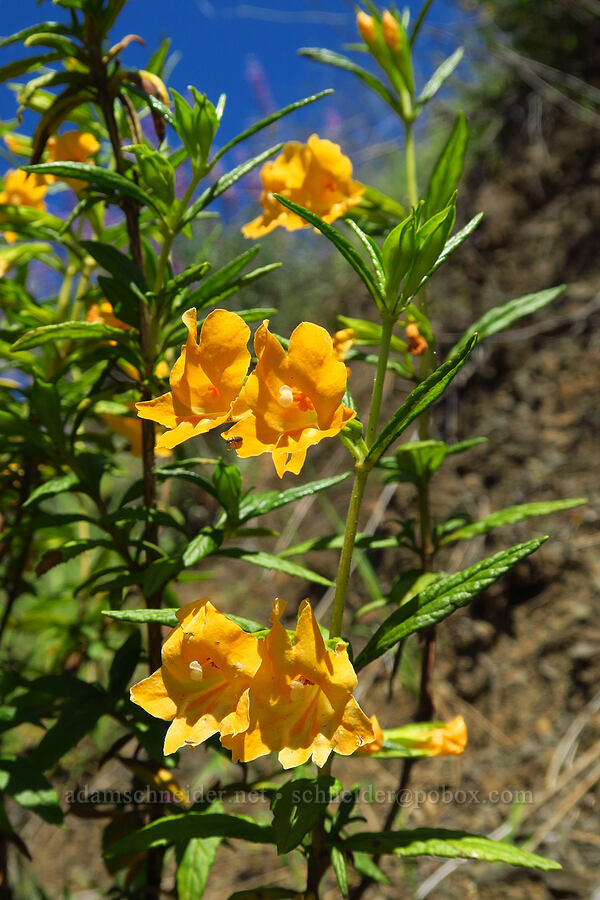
<point x="411" y="166"/>
<point x="360" y="479"/>
<point x="170" y="233"/>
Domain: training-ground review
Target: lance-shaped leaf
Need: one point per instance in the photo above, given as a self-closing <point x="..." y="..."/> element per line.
<point x="31" y="30"/>
<point x="168" y="617"/>
<point x="268" y="120"/>
<point x="259" y="504"/>
<point x="25" y="783"/>
<point x="450" y="844"/>
<point x="510" y="515"/>
<point x="120" y="266"/>
<point x="297" y="807"/>
<point x="419" y="400"/>
<point x="275" y="563"/>
<point x="441" y="74"/>
<point x="447" y="170"/>
<point x="193" y="867"/>
<point x="330" y="58"/>
<point x="441" y="598"/>
<point x="343" y="245"/>
<point x="501" y="317"/>
<point x="102" y="179"/>
<point x="73" y="331"/>
<point x="453" y="244"/>
<point x="20" y="66"/>
<point x="52" y="488"/>
<point x="175" y="829"/>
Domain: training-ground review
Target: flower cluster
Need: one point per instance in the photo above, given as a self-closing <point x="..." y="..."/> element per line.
<point x="290" y="695"/>
<point x="290" y="401"/>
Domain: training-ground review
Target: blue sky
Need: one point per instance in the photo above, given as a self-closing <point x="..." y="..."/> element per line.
<point x="247" y="50"/>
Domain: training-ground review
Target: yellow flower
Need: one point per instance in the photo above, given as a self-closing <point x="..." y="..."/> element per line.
<point x="292" y="400"/>
<point x="72" y="146"/>
<point x="315" y="175"/>
<point x="391" y="32"/>
<point x="301" y="702"/>
<point x="202" y="685"/>
<point x="366" y="26"/>
<point x="21" y="189"/>
<point x="205" y="380"/>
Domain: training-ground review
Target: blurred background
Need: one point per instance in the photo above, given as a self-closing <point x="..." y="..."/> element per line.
<point x="522" y="662"/>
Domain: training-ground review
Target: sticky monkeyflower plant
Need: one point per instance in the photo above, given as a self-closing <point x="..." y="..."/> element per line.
<point x="106" y="519"/>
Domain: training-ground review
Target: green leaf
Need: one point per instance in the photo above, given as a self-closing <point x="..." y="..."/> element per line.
<point x="441" y="74"/>
<point x="22" y="780"/>
<point x="447" y="170"/>
<point x="297" y="807"/>
<point x="419" y="400"/>
<point x="259" y="504"/>
<point x="72" y="331"/>
<point x="228" y="485"/>
<point x="20" y="66"/>
<point x="502" y="317"/>
<point x="338" y="863"/>
<point x="441" y="598"/>
<point x="372" y="249"/>
<point x="218" y="281"/>
<point x="450" y="844"/>
<point x="398" y="253"/>
<point x="453" y="244"/>
<point x="329" y="58"/>
<point x="224" y="183"/>
<point x="276" y="563"/>
<point x="364" y="864"/>
<point x="430" y="241"/>
<point x="510" y="515"/>
<point x="141" y="616"/>
<point x="193" y="867"/>
<point x="76" y="720"/>
<point x="187" y="475"/>
<point x="124" y="664"/>
<point x="268" y="120"/>
<point x="120" y="266"/>
<point x="40" y="28"/>
<point x="204" y="544"/>
<point x="177" y="828"/>
<point x="344" y="246"/>
<point x="51" y="489"/>
<point x="102" y="179"/>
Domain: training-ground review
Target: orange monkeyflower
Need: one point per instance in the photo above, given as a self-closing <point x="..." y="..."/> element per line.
<point x="391" y="32"/>
<point x="315" y="175"/>
<point x="417" y="345"/>
<point x="205" y="381"/>
<point x="202" y="685"/>
<point x="72" y="146"/>
<point x="291" y="401"/>
<point x="21" y="189"/>
<point x="366" y="26"/>
<point x="301" y="702"/>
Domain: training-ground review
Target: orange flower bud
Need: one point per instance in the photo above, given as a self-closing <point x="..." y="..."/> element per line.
<point x="417" y="345"/>
<point x="366" y="26"/>
<point x="391" y="34"/>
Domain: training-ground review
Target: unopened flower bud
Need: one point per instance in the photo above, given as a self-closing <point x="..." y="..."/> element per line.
<point x="391" y="34"/>
<point x="366" y="26"/>
<point x="417" y="345"/>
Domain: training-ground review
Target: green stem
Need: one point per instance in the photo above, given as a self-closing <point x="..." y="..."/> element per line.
<point x="171" y="232"/>
<point x="360" y="479"/>
<point x="411" y="166"/>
